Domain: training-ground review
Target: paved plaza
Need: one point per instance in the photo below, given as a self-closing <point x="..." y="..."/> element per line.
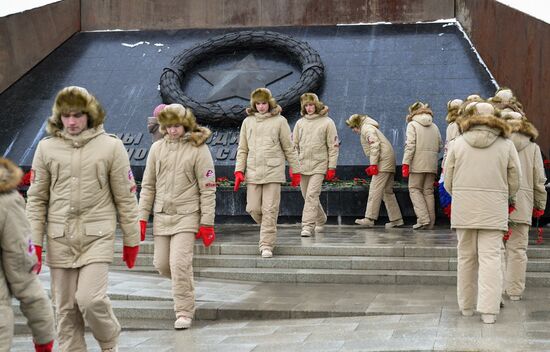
<point x="288" y="316"/>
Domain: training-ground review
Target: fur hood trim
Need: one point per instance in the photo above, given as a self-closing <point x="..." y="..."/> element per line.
<point x="485" y="120"/>
<point x="196" y="138"/>
<point x="524" y="127"/>
<point x="453" y="106"/>
<point x="199" y="136"/>
<point x="75" y="99"/>
<point x="357" y="121"/>
<point x="10" y="175"/>
<point x="273" y="112"/>
<point x="421" y="110"/>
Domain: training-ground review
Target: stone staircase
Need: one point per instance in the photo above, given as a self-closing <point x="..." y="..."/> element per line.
<point x="234" y="282"/>
<point x="337" y="262"/>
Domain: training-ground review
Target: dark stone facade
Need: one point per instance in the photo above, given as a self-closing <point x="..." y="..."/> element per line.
<point x="373" y="69"/>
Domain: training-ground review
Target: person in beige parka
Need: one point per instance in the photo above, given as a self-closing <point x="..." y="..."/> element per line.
<point x="483" y="175"/>
<point x="422" y="148"/>
<point x="179" y="185"/>
<point x="264" y="144"/>
<point x="17" y="267"/>
<point x="82" y="184"/>
<point x="382" y="169"/>
<point x="453" y="106"/>
<point x="316" y="141"/>
<point x="530" y="202"/>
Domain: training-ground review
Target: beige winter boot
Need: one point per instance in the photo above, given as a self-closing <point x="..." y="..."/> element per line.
<point x="395" y="223"/>
<point x="366" y="222"/>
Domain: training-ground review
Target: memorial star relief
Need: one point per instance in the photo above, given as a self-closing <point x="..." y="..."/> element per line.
<point x="240" y="80"/>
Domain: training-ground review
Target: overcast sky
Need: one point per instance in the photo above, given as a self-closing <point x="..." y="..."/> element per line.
<point x="536" y="8"/>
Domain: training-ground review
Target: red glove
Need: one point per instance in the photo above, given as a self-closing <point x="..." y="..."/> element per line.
<point x="26" y="180"/>
<point x="537" y="213"/>
<point x="207" y="234"/>
<point x="239" y="177"/>
<point x="331" y="174"/>
<point x="143" y="228"/>
<point x="296" y="178"/>
<point x="129" y="255"/>
<point x="47" y="347"/>
<point x="405" y="170"/>
<point x="38" y="266"/>
<point x="511" y="208"/>
<point x="372" y="170"/>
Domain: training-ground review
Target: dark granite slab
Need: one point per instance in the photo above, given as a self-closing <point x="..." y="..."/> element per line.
<point x="375" y="69"/>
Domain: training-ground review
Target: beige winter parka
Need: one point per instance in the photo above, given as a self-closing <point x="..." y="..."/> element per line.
<point x="376" y="146"/>
<point x="264" y="144"/>
<point x="482" y="173"/>
<point x="81" y="185"/>
<point x="531" y="193"/>
<point x="423" y="143"/>
<point x="17" y="260"/>
<point x="179" y="184"/>
<point x="316" y="141"/>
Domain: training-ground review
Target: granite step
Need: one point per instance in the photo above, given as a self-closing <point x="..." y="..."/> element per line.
<point x="400" y="277"/>
<point x="159" y="315"/>
<point x="320" y="249"/>
<point x="144" y="262"/>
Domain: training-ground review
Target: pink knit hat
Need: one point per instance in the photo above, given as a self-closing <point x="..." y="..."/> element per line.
<point x="158" y="109"/>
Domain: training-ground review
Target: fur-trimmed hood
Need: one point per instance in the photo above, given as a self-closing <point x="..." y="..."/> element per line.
<point x="453" y="107"/>
<point x="357" y="121"/>
<point x="481" y="131"/>
<point x="75" y="99"/>
<point x="10" y="175"/>
<point x="197" y="138"/>
<point x="505" y="99"/>
<point x="322" y="113"/>
<point x="523" y="133"/>
<point x="424" y="119"/>
<point x="273" y="112"/>
<point x="419" y="108"/>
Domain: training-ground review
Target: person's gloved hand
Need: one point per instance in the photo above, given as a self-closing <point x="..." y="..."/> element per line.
<point x="46" y="347"/>
<point x="405" y="170"/>
<point x="296" y="178"/>
<point x="207" y="233"/>
<point x="330" y="175"/>
<point x="129" y="255"/>
<point x="537" y="213"/>
<point x="143" y="228"/>
<point x="511" y="208"/>
<point x="38" y="266"/>
<point x="372" y="170"/>
<point x="239" y="177"/>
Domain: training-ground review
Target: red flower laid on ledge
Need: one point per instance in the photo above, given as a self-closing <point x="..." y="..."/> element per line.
<point x="359" y="181"/>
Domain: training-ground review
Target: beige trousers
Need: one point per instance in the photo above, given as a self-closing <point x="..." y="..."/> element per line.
<point x="81" y="295"/>
<point x="313" y="213"/>
<point x="421" y="191"/>
<point x="6" y="326"/>
<point x="262" y="203"/>
<point x="381" y="188"/>
<point x="479" y="270"/>
<point x="173" y="259"/>
<point x="516" y="259"/>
